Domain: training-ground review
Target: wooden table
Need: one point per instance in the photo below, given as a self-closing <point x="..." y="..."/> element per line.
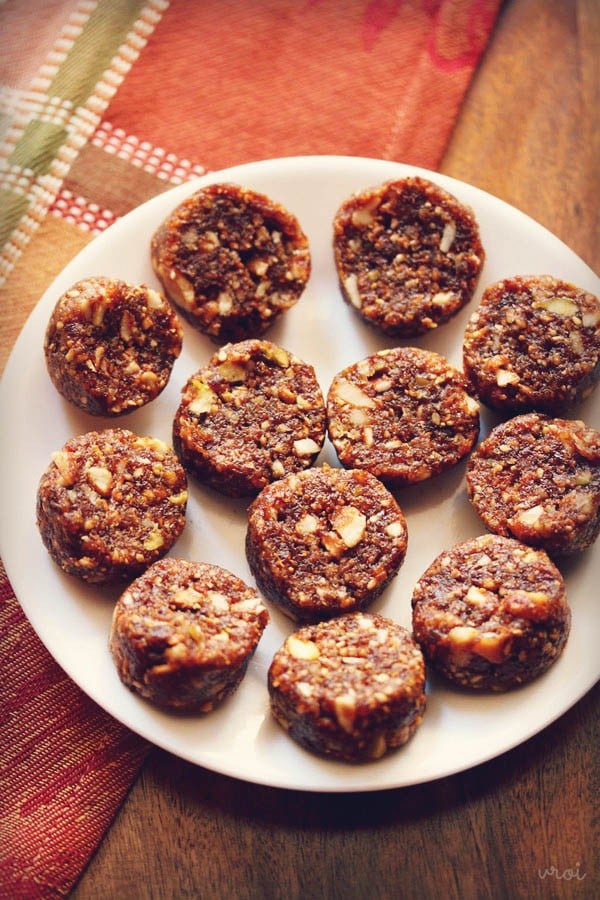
<point x="520" y="825"/>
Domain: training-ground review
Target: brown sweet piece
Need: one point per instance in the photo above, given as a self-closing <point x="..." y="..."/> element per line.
<point x="253" y="414"/>
<point x="184" y="632"/>
<point x="352" y="688"/>
<point x="537" y="479"/>
<point x="232" y="260"/>
<point x="491" y="613"/>
<point x="110" y="504"/>
<point x="110" y="346"/>
<point x="325" y="542"/>
<point x="408" y="255"/>
<point x="533" y="343"/>
<point x="402" y="414"/>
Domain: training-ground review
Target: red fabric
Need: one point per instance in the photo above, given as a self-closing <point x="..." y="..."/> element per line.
<point x="65" y="765"/>
<point x="244" y="81"/>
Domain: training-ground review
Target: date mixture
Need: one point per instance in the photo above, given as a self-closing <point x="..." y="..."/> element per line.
<point x="110" y="346"/>
<point x="491" y="613"/>
<point x="110" y="504"/>
<point x="184" y="632"/>
<point x="408" y="255"/>
<point x="537" y="479"/>
<point x="352" y="688"/>
<point x="252" y="415"/>
<point x="232" y="260"/>
<point x="402" y="414"/>
<point x="325" y="542"/>
<point x="533" y="344"/>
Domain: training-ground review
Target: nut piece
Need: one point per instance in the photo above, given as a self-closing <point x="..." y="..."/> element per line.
<point x="307" y="525"/>
<point x="448" y="236"/>
<point x="66" y="465"/>
<point x="101" y="479"/>
<point x="231" y="371"/>
<point x="529" y="517"/>
<point x="204" y="401"/>
<point x="350" y="524"/>
<point x="352" y="394"/>
<point x="307" y="650"/>
<point x="560" y="306"/>
<point x="344" y="707"/>
<point x="504" y="377"/>
<point x="351" y="285"/>
<point x="306" y="447"/>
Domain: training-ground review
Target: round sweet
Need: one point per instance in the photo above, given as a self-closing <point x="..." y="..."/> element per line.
<point x="110" y="346"/>
<point x="408" y="255"/>
<point x="537" y="479"/>
<point x="325" y="542"/>
<point x="232" y="260"/>
<point x="402" y="414"/>
<point x="533" y="343"/>
<point x="184" y="632"/>
<point x="252" y="415"/>
<point x="352" y="688"/>
<point x="110" y="504"/>
<point x="491" y="613"/>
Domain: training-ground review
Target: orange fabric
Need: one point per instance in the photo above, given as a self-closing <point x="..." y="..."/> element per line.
<point x="245" y="81"/>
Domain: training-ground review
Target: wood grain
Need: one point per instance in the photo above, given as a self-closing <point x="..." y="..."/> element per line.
<point x="530" y="127"/>
<point x="522" y="825"/>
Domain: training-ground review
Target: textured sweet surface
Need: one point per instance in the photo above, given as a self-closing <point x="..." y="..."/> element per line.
<point x="491" y="613"/>
<point x="537" y="479"/>
<point x="325" y="542"/>
<point x="183" y="633"/>
<point x="111" y="503"/>
<point x="232" y="260"/>
<point x="110" y="346"/>
<point x="351" y="688"/>
<point x="253" y="414"/>
<point x="402" y="414"/>
<point x="408" y="255"/>
<point x="533" y="343"/>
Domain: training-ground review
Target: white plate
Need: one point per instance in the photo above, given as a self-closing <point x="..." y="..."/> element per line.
<point x="241" y="739"/>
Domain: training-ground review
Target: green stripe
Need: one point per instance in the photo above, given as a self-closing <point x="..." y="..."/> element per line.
<point x="13" y="207"/>
<point x="37" y="146"/>
<point x="92" y="52"/>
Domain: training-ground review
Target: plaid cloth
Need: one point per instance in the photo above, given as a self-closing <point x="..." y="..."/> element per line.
<point x="103" y="105"/>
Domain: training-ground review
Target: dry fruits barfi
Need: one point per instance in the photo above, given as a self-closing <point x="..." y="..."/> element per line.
<point x="533" y="343"/>
<point x="110" y="504"/>
<point x="408" y="255"/>
<point x="232" y="260"/>
<point x="252" y="415"/>
<point x="537" y="479"/>
<point x="110" y="346"/>
<point x="184" y="632"/>
<point x="325" y="542"/>
<point x="491" y="613"/>
<point x="352" y="688"/>
<point x="402" y="414"/>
